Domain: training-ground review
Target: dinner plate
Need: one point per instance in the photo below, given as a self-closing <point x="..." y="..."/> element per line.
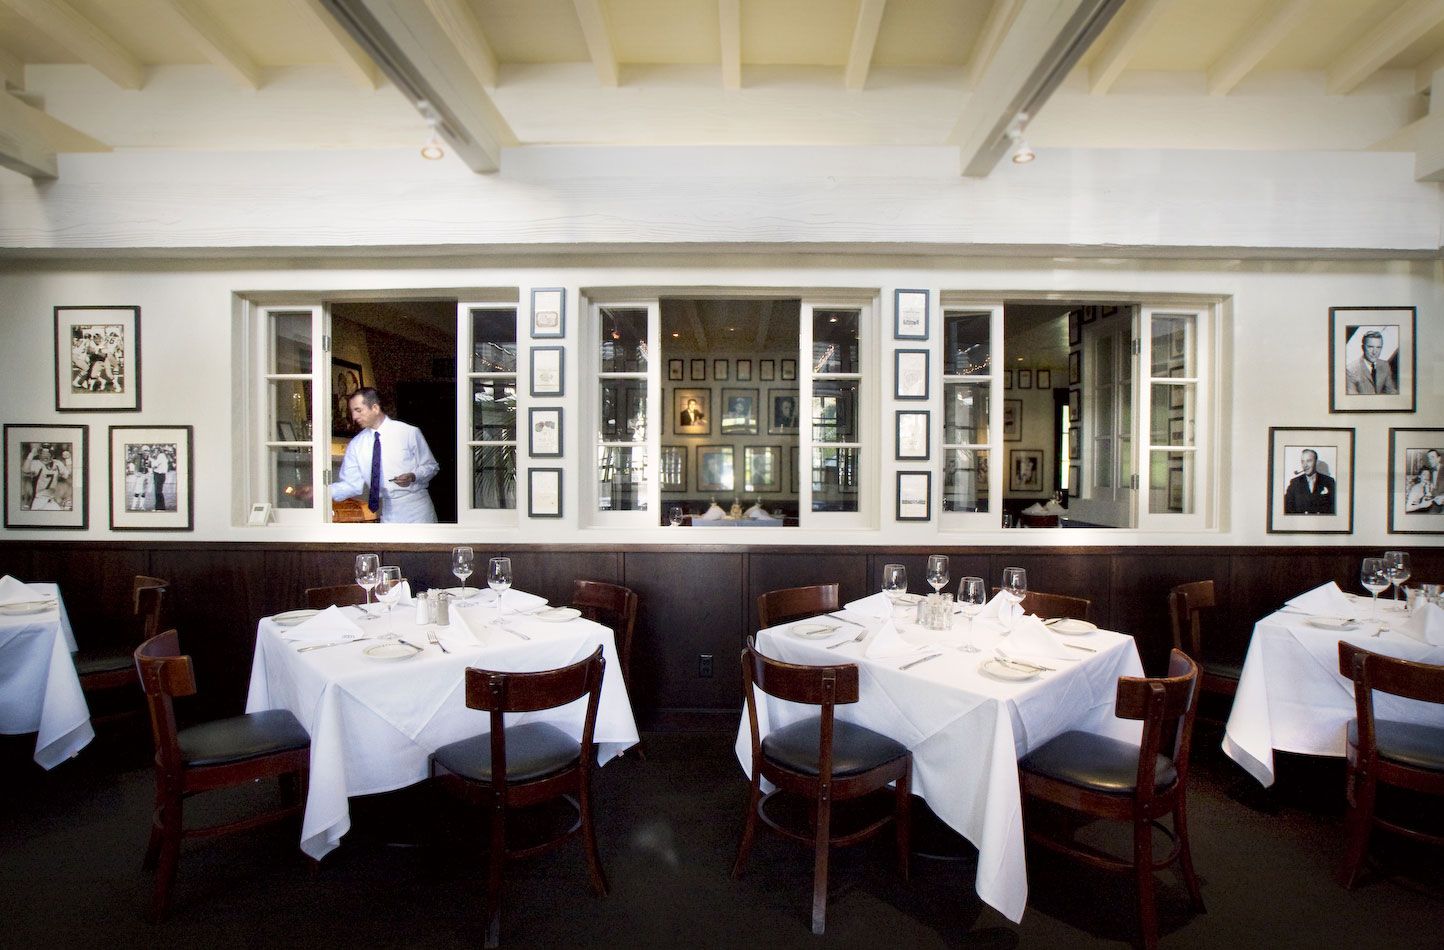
<point x="1070" y="627"/>
<point x="557" y="614"/>
<point x="812" y="631"/>
<point x="909" y="599"/>
<point x="28" y="607"/>
<point x="463" y="593"/>
<point x="392" y="651"/>
<point x="998" y="671"/>
<point x="1332" y="623"/>
<point x="291" y="618"/>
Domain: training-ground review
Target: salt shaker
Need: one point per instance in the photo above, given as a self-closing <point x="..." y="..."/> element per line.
<point x="441" y="614"/>
<point x="423" y="608"/>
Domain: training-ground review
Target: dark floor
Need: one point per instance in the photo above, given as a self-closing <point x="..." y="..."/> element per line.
<point x="409" y="874"/>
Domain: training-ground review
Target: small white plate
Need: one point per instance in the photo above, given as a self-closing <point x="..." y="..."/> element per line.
<point x="1332" y="623"/>
<point x="1070" y="627"/>
<point x="998" y="671"/>
<point x="911" y="600"/>
<point x="391" y="651"/>
<point x="812" y="631"/>
<point x="557" y="614"/>
<point x="291" y="618"/>
<point x="27" y="608"/>
<point x="463" y="593"/>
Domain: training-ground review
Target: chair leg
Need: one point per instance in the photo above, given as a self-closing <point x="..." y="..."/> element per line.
<point x="589" y="836"/>
<point x="1185" y="856"/>
<point x="903" y="818"/>
<point x="1360" y="823"/>
<point x="167" y="858"/>
<point x="496" y="860"/>
<point x="821" y="845"/>
<point x="749" y="826"/>
<point x="1143" y="874"/>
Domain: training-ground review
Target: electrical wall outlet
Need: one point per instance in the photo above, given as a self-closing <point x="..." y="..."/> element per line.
<point x="704" y="665"/>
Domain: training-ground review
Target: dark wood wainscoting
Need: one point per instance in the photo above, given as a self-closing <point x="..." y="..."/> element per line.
<point x="695" y="601"/>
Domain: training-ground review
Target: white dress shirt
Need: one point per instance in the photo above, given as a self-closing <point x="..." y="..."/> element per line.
<point x="403" y="449"/>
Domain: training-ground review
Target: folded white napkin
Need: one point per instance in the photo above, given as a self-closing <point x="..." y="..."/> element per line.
<point x="1325" y="600"/>
<point x="329" y="624"/>
<point x="1053" y="508"/>
<point x="713" y="513"/>
<point x="1426" y="623"/>
<point x="757" y="513"/>
<point x="875" y="605"/>
<point x="13" y="591"/>
<point x="1036" y="508"/>
<point x="1004" y="606"/>
<point x="1029" y="637"/>
<point x="887" y="643"/>
<point x="512" y="600"/>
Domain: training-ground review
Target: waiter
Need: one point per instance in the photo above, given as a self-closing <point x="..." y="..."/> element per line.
<point x="389" y="464"/>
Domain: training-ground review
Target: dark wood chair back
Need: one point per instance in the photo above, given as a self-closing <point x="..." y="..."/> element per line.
<point x="106" y="669"/>
<point x="780" y="606"/>
<point x="1186" y="604"/>
<point x="1167" y="705"/>
<point x="147" y="602"/>
<point x="165" y="673"/>
<point x="1054" y="606"/>
<point x="614" y="606"/>
<point x="341" y="595"/>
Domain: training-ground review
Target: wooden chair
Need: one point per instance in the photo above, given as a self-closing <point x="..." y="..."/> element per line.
<point x="1404" y="754"/>
<point x="341" y="595"/>
<point x="1186" y="604"/>
<point x="821" y="758"/>
<point x="519" y="765"/>
<point x="1106" y="778"/>
<point x="214" y="755"/>
<point x="105" y="669"/>
<point x="780" y="606"/>
<point x="614" y="606"/>
<point x="1051" y="606"/>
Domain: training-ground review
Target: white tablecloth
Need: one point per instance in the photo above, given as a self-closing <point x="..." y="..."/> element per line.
<point x="373" y="723"/>
<point x="967" y="730"/>
<point x="1291" y="696"/>
<point x="39" y="689"/>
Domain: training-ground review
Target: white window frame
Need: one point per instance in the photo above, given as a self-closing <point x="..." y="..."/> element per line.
<point x="260" y="436"/>
<point x="591" y="435"/>
<point x="466" y="378"/>
<point x="1201" y="436"/>
<point x="870" y="487"/>
<point x="997" y="463"/>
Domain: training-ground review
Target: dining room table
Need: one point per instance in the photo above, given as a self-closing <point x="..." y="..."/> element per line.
<point x="39" y="687"/>
<point x="1291" y="696"/>
<point x="966" y="717"/>
<point x="378" y="698"/>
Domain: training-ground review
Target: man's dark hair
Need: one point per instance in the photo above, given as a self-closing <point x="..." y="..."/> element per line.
<point x="368" y="394"/>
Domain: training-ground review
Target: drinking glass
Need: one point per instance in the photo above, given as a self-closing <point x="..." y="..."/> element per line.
<point x="937" y="571"/>
<point x="368" y="575"/>
<point x="1396" y="564"/>
<point x="1015" y="581"/>
<point x="498" y="578"/>
<point x="972" y="595"/>
<point x="894" y="581"/>
<point x="1374" y="575"/>
<point x="674" y="516"/>
<point x="462" y="560"/>
<point x="388" y="591"/>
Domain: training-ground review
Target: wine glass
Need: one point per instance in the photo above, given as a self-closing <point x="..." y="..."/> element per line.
<point x="462" y="560"/>
<point x="972" y="595"/>
<point x="498" y="578"/>
<point x="388" y="591"/>
<point x="1015" y="582"/>
<point x="1374" y="575"/>
<point x="894" y="581"/>
<point x="937" y="572"/>
<point x="368" y="575"/>
<point x="674" y="516"/>
<point x="1396" y="564"/>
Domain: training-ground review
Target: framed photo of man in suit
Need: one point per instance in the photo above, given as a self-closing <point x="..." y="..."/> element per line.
<point x="1372" y="364"/>
<point x="1311" y="481"/>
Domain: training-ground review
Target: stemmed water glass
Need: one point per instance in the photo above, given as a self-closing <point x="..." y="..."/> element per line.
<point x="368" y="575"/>
<point x="388" y="591"/>
<point x="1396" y="565"/>
<point x="894" y="582"/>
<point x="1015" y="581"/>
<point x="498" y="578"/>
<point x="1374" y="575"/>
<point x="972" y="595"/>
<point x="937" y="572"/>
<point x="462" y="560"/>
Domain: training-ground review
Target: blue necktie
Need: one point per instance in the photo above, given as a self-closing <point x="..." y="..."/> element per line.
<point x="373" y="499"/>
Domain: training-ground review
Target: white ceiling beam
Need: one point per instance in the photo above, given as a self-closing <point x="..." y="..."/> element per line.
<point x="1257" y="41"/>
<point x="12" y="71"/>
<point x="995" y="27"/>
<point x="599" y="39"/>
<point x="215" y="42"/>
<point x="729" y="18"/>
<point x="31" y="140"/>
<point x="864" y="39"/>
<point x="467" y="36"/>
<point x="1125" y="42"/>
<point x="343" y="50"/>
<point x="60" y="21"/>
<point x="1391" y="36"/>
<point x="1424" y="72"/>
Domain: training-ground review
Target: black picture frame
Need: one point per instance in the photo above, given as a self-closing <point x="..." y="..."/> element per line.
<point x="911" y="374"/>
<point x="1025" y="379"/>
<point x="766" y="370"/>
<point x="697" y="370"/>
<point x="1007" y="379"/>
<point x="544" y="432"/>
<point x="1075" y="405"/>
<point x="97" y="359"/>
<point x="130" y="486"/>
<point x="1353" y="385"/>
<point x="1044" y="379"/>
<point x="788" y="369"/>
<point x="548" y="371"/>
<point x="62" y="502"/>
<point x="1075" y="329"/>
<point x="346" y="378"/>
<point x="914" y="496"/>
<point x="1075" y="480"/>
<point x="912" y="435"/>
<point x="673" y="461"/>
<point x="675" y="370"/>
<point x="750" y="482"/>
<point x="739" y="411"/>
<point x="544" y="493"/>
<point x="548" y="313"/>
<point x="1412" y="452"/>
<point x="1025" y="470"/>
<point x="794" y="478"/>
<point x="779" y="420"/>
<point x="1012" y="420"/>
<point x="716" y="468"/>
<point x="721" y="370"/>
<point x="744" y="371"/>
<point x="1075" y="368"/>
<point x="681" y="411"/>
<point x="910" y="315"/>
<point x="1327" y="507"/>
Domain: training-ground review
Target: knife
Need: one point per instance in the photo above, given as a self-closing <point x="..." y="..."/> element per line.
<point x="922" y="659"/>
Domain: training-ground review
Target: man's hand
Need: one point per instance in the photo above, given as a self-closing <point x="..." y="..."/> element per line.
<point x="405" y="481"/>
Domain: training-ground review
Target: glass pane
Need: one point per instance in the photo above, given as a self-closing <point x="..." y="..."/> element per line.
<point x="622" y="477"/>
<point x="834" y="341"/>
<point x="493" y="476"/>
<point x="493" y="410"/>
<point x="834" y="411"/>
<point x="290" y="411"/>
<point x="291" y="342"/>
<point x="624" y="410"/>
<point x="1172" y="414"/>
<point x="762" y="468"/>
<point x="1170" y="483"/>
<point x="1171" y="335"/>
<point x="965" y="481"/>
<point x="1103" y="463"/>
<point x="292" y="472"/>
<point x="1103" y="361"/>
<point x="624" y="340"/>
<point x="493" y="341"/>
<point x="834" y="479"/>
<point x="965" y="413"/>
<point x="965" y="344"/>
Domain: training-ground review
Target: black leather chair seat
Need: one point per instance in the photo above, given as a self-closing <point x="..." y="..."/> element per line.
<point x="855" y="748"/>
<point x="1222" y="668"/>
<point x="109" y="660"/>
<point x="1408" y="743"/>
<point x="533" y="750"/>
<point x="241" y="737"/>
<point x="1096" y="763"/>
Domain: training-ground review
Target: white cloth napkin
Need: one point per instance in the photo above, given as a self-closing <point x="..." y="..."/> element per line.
<point x="713" y="513"/>
<point x="757" y="513"/>
<point x="13" y="591"/>
<point x="1004" y="606"/>
<point x="887" y="644"/>
<point x="1036" y="508"/>
<point x="1029" y="637"/>
<point x="1325" y="600"/>
<point x="511" y="600"/>
<point x="329" y="624"/>
<point x="1426" y="623"/>
<point x="875" y="605"/>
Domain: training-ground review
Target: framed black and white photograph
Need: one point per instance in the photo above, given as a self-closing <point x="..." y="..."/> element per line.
<point x="1075" y="368"/>
<point x="789" y="368"/>
<point x="544" y="432"/>
<point x="698" y="370"/>
<point x="1025" y="470"/>
<point x="910" y="374"/>
<point x="914" y="496"/>
<point x="1075" y="481"/>
<point x="1012" y="420"/>
<point x="794" y="478"/>
<point x="1311" y="481"/>
<point x="675" y="369"/>
<point x="1025" y="379"/>
<point x="720" y="370"/>
<point x="547" y="374"/>
<point x="692" y="411"/>
<point x="674" y="468"/>
<point x="1416" y="488"/>
<point x="45" y="476"/>
<point x="548" y="313"/>
<point x="346" y="378"/>
<point x="151" y="488"/>
<point x="739" y="412"/>
<point x="1074" y="435"/>
<point x="97" y="359"/>
<point x="910" y="315"/>
<point x="544" y="493"/>
<point x="1075" y="329"/>
<point x="762" y="468"/>
<point x="1075" y="406"/>
<point x="1007" y="379"/>
<point x="767" y="370"/>
<point x="1045" y="379"/>
<point x="744" y="371"/>
<point x="782" y="417"/>
<point x="912" y="435"/>
<point x="715" y="467"/>
<point x="1372" y="362"/>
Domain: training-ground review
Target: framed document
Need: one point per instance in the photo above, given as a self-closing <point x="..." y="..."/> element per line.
<point x="544" y="493"/>
<point x="910" y="374"/>
<point x="547" y="371"/>
<point x="912" y="435"/>
<point x="548" y="313"/>
<point x="910" y="315"/>
<point x="914" y="496"/>
<point x="545" y="432"/>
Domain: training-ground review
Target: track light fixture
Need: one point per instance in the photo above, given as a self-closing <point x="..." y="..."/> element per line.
<point x="434" y="150"/>
<point x="1022" y="152"/>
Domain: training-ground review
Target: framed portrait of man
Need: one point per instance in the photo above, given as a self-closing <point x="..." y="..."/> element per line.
<point x="1416" y="481"/>
<point x="1025" y="470"/>
<point x="45" y="476"/>
<point x="782" y="416"/>
<point x="150" y="478"/>
<point x="692" y="411"/>
<point x="715" y="467"/>
<point x="739" y="412"/>
<point x="1372" y="363"/>
<point x="1311" y="481"/>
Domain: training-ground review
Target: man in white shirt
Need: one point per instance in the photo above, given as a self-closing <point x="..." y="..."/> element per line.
<point x="397" y="480"/>
<point x="159" y="465"/>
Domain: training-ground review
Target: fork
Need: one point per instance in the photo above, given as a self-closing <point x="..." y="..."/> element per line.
<point x="436" y="641"/>
<point x="861" y="634"/>
<point x="1021" y="664"/>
